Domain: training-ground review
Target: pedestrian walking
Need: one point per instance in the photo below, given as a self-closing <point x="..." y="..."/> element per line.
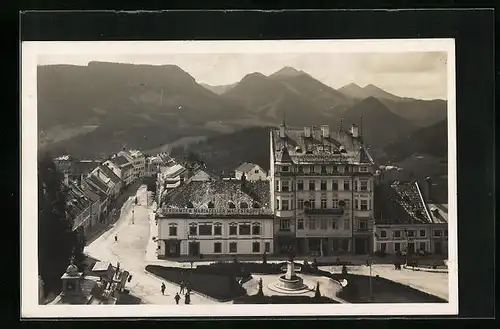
<point x="182" y="285"/>
<point x="163" y="288"/>
<point x="187" y="299"/>
<point x="177" y="298"/>
<point x="116" y="237"/>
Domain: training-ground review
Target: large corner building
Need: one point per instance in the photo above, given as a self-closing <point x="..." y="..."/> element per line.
<point x="321" y="191"/>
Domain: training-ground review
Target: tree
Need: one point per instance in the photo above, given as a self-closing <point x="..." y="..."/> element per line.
<point x="57" y="242"/>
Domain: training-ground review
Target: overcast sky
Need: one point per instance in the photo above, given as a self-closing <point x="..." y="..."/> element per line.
<point x="417" y="74"/>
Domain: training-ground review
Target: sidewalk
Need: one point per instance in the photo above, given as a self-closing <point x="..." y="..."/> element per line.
<point x="131" y="249"/>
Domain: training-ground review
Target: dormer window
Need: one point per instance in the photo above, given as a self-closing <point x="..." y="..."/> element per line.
<point x="231" y="205"/>
<point x="256" y="205"/>
<point x="210" y="205"/>
<point x="189" y="205"/>
<point x="243" y="205"/>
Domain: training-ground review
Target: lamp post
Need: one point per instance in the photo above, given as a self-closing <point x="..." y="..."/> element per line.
<point x="369" y="263"/>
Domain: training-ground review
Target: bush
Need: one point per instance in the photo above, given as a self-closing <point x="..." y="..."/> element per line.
<point x="222" y="287"/>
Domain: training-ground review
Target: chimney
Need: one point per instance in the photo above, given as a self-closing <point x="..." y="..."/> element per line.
<point x="428" y="189"/>
<point x="282" y="130"/>
<point x="325" y="131"/>
<point x="354" y="131"/>
<point x="307" y="132"/>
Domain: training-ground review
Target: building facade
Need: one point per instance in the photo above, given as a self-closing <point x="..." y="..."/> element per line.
<point x="138" y="161"/>
<point x="321" y="191"/>
<point x="126" y="169"/>
<point x="215" y="218"/>
<point x="405" y="223"/>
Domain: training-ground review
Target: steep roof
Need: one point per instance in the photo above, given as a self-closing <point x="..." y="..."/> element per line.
<point x="245" y="167"/>
<point x="98" y="183"/>
<point x="76" y="202"/>
<point x="121" y="161"/>
<point x="400" y="203"/>
<point x="339" y="146"/>
<point x="91" y="195"/>
<point x="110" y="174"/>
<point x="220" y="193"/>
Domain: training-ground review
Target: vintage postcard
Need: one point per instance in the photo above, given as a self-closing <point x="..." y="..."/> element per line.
<point x="239" y="178"/>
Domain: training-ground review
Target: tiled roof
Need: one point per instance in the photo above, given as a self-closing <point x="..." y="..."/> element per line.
<point x="245" y="167"/>
<point x="76" y="201"/>
<point x="95" y="190"/>
<point x="338" y="147"/>
<point x="409" y="197"/>
<point x="98" y="183"/>
<point x="220" y="193"/>
<point x="120" y="161"/>
<point x="91" y="195"/>
<point x="400" y="203"/>
<point x="110" y="174"/>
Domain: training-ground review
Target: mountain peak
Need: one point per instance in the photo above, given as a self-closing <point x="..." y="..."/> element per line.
<point x="255" y="75"/>
<point x="287" y="71"/>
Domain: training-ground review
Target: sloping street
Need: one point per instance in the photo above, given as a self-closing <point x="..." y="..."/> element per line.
<point x="133" y="233"/>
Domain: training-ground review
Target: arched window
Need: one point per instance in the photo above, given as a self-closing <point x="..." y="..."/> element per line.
<point x="243" y="205"/>
<point x="256" y="205"/>
<point x="189" y="205"/>
<point x="231" y="205"/>
<point x="210" y="205"/>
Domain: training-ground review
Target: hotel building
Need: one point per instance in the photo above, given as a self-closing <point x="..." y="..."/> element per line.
<point x="321" y="185"/>
<point x="215" y="217"/>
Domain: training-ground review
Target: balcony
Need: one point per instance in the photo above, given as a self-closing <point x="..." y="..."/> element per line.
<point x="335" y="212"/>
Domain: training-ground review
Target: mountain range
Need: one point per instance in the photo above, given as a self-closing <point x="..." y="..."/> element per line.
<point x="96" y="109"/>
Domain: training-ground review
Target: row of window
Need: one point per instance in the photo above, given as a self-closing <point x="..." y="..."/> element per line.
<point x="216" y="229"/>
<point x="322" y="224"/>
<point x="324" y="185"/>
<point x="233" y="247"/>
<point x="411" y="233"/>
<point x="397" y="246"/>
<point x="322" y="169"/>
<point x="359" y="204"/>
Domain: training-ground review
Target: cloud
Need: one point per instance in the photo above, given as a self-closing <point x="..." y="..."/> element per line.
<point x="403" y="62"/>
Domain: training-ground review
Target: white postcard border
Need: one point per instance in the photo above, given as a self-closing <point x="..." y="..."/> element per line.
<point x="29" y="268"/>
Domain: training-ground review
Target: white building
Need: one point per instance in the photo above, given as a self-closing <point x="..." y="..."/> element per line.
<point x="153" y="165"/>
<point x="215" y="218"/>
<point x="321" y="190"/>
<point x="251" y="171"/>
<point x="138" y="161"/>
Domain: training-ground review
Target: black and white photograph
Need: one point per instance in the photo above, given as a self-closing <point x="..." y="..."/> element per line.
<point x="202" y="178"/>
